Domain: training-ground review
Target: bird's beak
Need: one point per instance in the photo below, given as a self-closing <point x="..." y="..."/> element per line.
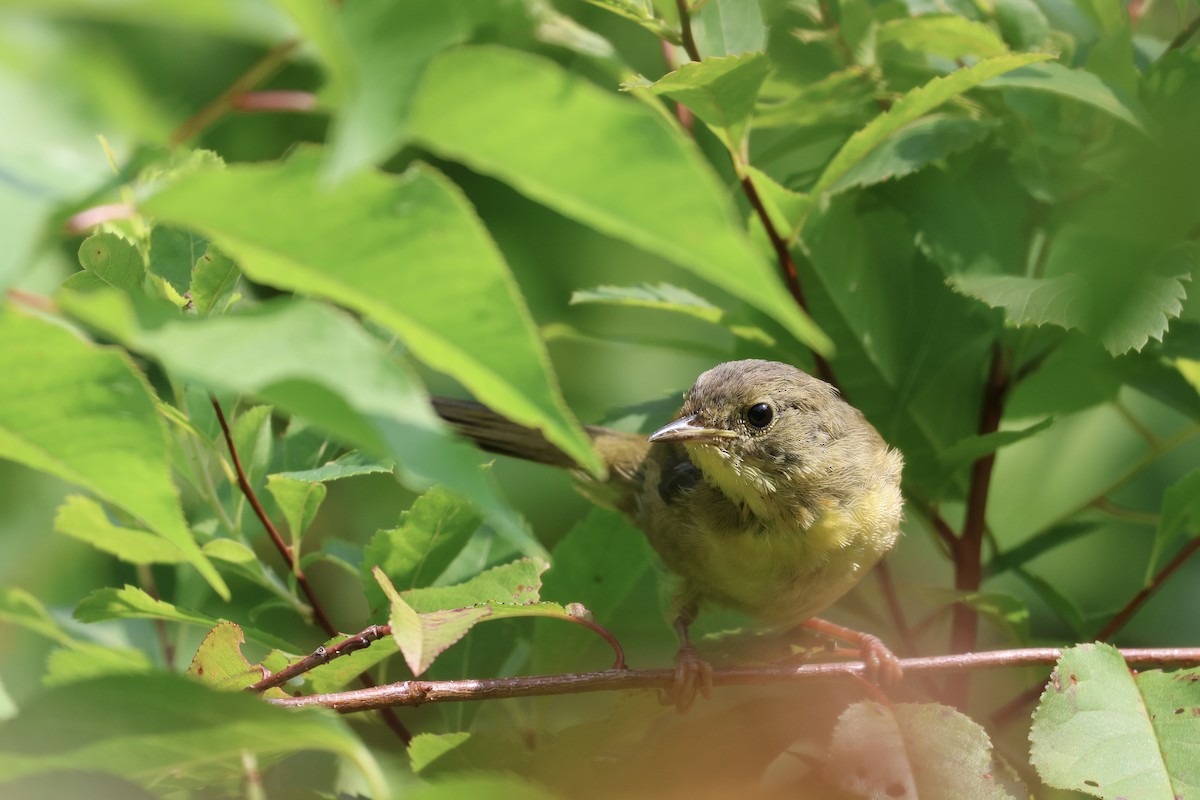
<point x="685" y="429"/>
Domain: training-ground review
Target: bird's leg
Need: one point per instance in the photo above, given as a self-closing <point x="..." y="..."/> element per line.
<point x="692" y="673"/>
<point x="882" y="666"/>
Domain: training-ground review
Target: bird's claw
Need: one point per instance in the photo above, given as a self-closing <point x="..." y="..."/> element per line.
<point x="881" y="665"/>
<point x="692" y="674"/>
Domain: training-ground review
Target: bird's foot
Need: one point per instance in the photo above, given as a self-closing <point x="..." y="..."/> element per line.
<point x="692" y="674"/>
<point x="880" y="664"/>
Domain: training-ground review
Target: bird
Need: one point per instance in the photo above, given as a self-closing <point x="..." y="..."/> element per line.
<point x="767" y="493"/>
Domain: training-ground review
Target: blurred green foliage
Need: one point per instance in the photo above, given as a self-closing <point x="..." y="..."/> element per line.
<point x="502" y="198"/>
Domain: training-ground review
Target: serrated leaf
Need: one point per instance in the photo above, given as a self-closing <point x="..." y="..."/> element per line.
<point x="288" y="230"/>
<point x="720" y="90"/>
<point x="299" y="501"/>
<point x="945" y="35"/>
<point x="413" y="554"/>
<point x="515" y="583"/>
<point x="174" y="254"/>
<point x="108" y="439"/>
<point x="1069" y="302"/>
<point x="914" y="750"/>
<point x="1101" y="731"/>
<point x="913" y="105"/>
<point x="785" y="207"/>
<point x="113" y="260"/>
<point x="1180" y="514"/>
<point x="1078" y="85"/>
<point x="175" y="725"/>
<point x="131" y="602"/>
<point x="84" y="519"/>
<point x="913" y="147"/>
<point x="214" y="277"/>
<point x="229" y="550"/>
<point x="686" y="217"/>
<point x="219" y="661"/>
<point x="347" y="465"/>
<point x="663" y="297"/>
<point x="318" y="364"/>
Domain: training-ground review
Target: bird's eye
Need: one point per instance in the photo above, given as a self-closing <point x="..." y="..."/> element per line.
<point x="759" y="415"/>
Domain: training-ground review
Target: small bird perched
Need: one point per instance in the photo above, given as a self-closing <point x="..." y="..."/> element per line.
<point x="768" y="493"/>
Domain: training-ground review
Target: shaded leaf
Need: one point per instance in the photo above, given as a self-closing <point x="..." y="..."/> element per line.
<point x="911" y="106"/>
<point x="1180" y="514"/>
<point x="728" y="28"/>
<point x="113" y="260"/>
<point x="416" y="552"/>
<point x="288" y="230"/>
<point x="298" y="500"/>
<point x="1037" y="544"/>
<point x="347" y="465"/>
<point x="918" y="144"/>
<point x="108" y="439"/>
<point x="1077" y="85"/>
<point x="914" y="750"/>
<point x="687" y="217"/>
<point x="85" y="660"/>
<point x="316" y="363"/>
<point x="948" y="36"/>
<point x="214" y="277"/>
<point x="175" y="725"/>
<point x="174" y="254"/>
<point x="84" y="519"/>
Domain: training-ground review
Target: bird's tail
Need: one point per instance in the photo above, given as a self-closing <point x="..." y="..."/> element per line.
<point x="497" y="434"/>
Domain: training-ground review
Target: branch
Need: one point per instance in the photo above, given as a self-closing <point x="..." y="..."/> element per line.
<point x="685" y="29"/>
<point x="1135" y="604"/>
<point x="1185" y="34"/>
<point x="322" y="619"/>
<point x="322" y="655"/>
<point x="415" y="693"/>
<point x="224" y="102"/>
<point x="300" y="102"/>
<point x="293" y="562"/>
<point x="968" y="551"/>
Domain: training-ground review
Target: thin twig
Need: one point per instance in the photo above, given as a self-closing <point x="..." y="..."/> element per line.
<point x="322" y="655"/>
<point x="266" y="66"/>
<point x="892" y="599"/>
<point x="685" y="29"/>
<point x="968" y="553"/>
<point x="1135" y="604"/>
<point x="293" y="561"/>
<point x="1185" y="34"/>
<point x="285" y="550"/>
<point x="294" y="101"/>
<point x="146" y="579"/>
<point x="415" y="693"/>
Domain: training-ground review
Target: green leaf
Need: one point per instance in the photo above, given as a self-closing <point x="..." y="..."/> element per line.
<point x="1101" y="731"/>
<point x="84" y="519"/>
<point x="298" y="500"/>
<point x="913" y="147"/>
<point x="319" y="364"/>
<point x="417" y="551"/>
<point x="971" y="448"/>
<point x="1180" y="514"/>
<point x="425" y="748"/>
<point x="1036" y="545"/>
<point x="663" y="297"/>
<point x="19" y="607"/>
<point x="510" y="590"/>
<point x="347" y="465"/>
<point x="84" y="660"/>
<point x="214" y="277"/>
<point x="174" y="254"/>
<point x="372" y="243"/>
<point x="220" y="664"/>
<point x="721" y="90"/>
<point x="113" y="260"/>
<point x="175" y="725"/>
<point x="642" y="181"/>
<point x="1070" y="301"/>
<point x="1062" y="605"/>
<point x="131" y="602"/>
<point x="386" y="48"/>
<point x="728" y="27"/>
<point x="1077" y="85"/>
<point x="108" y="439"/>
<point x="497" y="786"/>
<point x="924" y="750"/>
<point x="948" y="36"/>
<point x="911" y="106"/>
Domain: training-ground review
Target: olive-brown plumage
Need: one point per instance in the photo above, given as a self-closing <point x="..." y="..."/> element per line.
<point x="767" y="493"/>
